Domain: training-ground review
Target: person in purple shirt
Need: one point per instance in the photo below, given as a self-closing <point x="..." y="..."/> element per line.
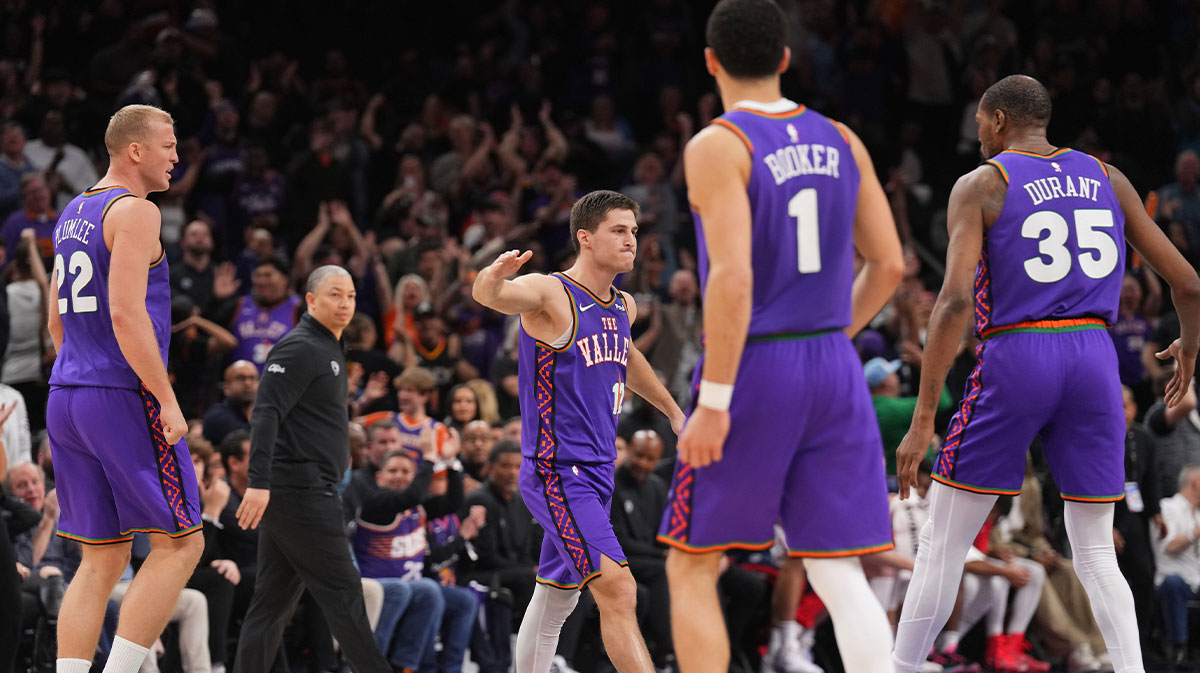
<point x="36" y="214"/>
<point x="1130" y="333"/>
<point x="121" y="464"/>
<point x="1036" y="257"/>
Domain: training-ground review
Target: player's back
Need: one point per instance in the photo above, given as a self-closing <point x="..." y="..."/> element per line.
<point x="90" y="354"/>
<point x="803" y="191"/>
<point x="1057" y="248"/>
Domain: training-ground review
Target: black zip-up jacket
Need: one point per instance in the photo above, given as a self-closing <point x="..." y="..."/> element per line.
<point x="299" y="429"/>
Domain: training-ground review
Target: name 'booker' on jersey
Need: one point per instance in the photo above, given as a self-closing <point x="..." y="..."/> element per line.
<point x="803" y="192"/>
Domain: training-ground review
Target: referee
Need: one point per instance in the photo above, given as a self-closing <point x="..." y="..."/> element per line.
<point x="299" y="450"/>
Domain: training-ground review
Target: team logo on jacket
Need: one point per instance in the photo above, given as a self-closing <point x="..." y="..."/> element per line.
<point x="334" y="365"/>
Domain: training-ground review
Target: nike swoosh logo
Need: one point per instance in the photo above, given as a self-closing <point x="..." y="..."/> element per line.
<point x="584" y="308"/>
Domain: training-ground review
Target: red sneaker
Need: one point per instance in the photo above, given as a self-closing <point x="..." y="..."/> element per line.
<point x="1022" y="649"/>
<point x="1002" y="657"/>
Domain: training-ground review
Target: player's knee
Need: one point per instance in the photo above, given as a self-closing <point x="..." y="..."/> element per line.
<point x="615" y="591"/>
<point x="190" y="549"/>
<point x="685" y="566"/>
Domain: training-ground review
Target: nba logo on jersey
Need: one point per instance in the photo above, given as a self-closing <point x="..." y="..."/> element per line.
<point x="792" y="133"/>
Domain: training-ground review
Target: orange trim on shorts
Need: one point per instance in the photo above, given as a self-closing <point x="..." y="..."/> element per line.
<point x="693" y="549"/>
<point x="733" y="127"/>
<point x="974" y="489"/>
<point x="1096" y="498"/>
<point x="88" y="540"/>
<point x="841" y="553"/>
<point x="1045" y="325"/>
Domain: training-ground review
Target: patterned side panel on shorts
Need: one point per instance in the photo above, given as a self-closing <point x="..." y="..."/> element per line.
<point x="948" y="455"/>
<point x="547" y="448"/>
<point x="680" y="515"/>
<point x="983" y="291"/>
<point x="547" y="443"/>
<point x="168" y="469"/>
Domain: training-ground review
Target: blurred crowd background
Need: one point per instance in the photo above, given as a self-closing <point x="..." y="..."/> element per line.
<point x="413" y="142"/>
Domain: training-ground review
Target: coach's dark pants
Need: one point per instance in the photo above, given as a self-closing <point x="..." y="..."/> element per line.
<point x="302" y="543"/>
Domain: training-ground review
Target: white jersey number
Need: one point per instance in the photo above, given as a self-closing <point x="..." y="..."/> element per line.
<point x="803" y="207"/>
<point x="1099" y="256"/>
<point x="81" y="268"/>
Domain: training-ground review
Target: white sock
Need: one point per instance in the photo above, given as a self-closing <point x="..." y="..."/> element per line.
<point x="948" y="641"/>
<point x="537" y="639"/>
<point x="126" y="656"/>
<point x="72" y="666"/>
<point x="955" y="517"/>
<point x="1089" y="526"/>
<point x="864" y="636"/>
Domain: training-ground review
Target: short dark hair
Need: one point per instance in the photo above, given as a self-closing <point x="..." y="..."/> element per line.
<point x="231" y="446"/>
<point x="375" y="427"/>
<point x="502" y="447"/>
<point x="591" y="209"/>
<point x="1024" y="100"/>
<point x="748" y="37"/>
<point x="276" y="261"/>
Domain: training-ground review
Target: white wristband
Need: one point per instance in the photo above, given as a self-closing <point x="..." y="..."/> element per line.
<point x="715" y="396"/>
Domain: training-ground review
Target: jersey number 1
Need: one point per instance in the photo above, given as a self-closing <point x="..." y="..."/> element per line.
<point x="803" y="207"/>
<point x="81" y="268"/>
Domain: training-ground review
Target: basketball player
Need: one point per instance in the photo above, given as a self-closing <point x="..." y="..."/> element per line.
<point x="114" y="423"/>
<point x="781" y="396"/>
<point x="576" y="361"/>
<point x="1037" y="253"/>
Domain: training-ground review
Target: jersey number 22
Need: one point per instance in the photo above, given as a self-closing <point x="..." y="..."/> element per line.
<point x="81" y="268"/>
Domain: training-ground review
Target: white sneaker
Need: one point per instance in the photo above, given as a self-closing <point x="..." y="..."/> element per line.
<point x="1081" y="660"/>
<point x="793" y="657"/>
<point x="1105" y="661"/>
<point x="560" y="665"/>
<point x="931" y="667"/>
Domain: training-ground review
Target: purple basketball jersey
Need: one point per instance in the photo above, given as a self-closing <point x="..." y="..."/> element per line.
<point x="90" y="355"/>
<point x="571" y="396"/>
<point x="1057" y="249"/>
<point x="803" y="193"/>
<point x="257" y="328"/>
<point x="394" y="550"/>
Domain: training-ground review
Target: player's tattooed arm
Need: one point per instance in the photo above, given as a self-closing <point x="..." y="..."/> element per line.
<point x="988" y="189"/>
<point x="951" y="314"/>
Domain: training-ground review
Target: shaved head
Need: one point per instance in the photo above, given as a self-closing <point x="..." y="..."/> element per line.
<point x="1024" y="100"/>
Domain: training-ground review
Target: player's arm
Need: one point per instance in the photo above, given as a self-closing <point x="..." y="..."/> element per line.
<point x="876" y="239"/>
<point x="718" y="168"/>
<point x="641" y="379"/>
<point x="54" y="321"/>
<point x="1150" y="242"/>
<point x="135" y="246"/>
<point x="974" y="192"/>
<point x="523" y="295"/>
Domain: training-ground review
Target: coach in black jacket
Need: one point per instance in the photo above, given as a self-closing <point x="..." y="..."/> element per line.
<point x="299" y="450"/>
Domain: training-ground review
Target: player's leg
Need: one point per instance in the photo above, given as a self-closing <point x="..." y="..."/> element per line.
<point x="834" y="506"/>
<point x="697" y="624"/>
<point x="784" y="641"/>
<point x="145" y="611"/>
<point x="615" y="592"/>
<point x="1089" y="527"/>
<point x="955" y="517"/>
<point x="1008" y="398"/>
<point x="731" y="504"/>
<point x="82" y="612"/>
<point x="88" y="513"/>
<point x="1085" y="449"/>
<point x="556" y="592"/>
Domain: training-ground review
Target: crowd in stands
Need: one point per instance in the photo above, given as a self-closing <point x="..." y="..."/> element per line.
<point x="411" y="143"/>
